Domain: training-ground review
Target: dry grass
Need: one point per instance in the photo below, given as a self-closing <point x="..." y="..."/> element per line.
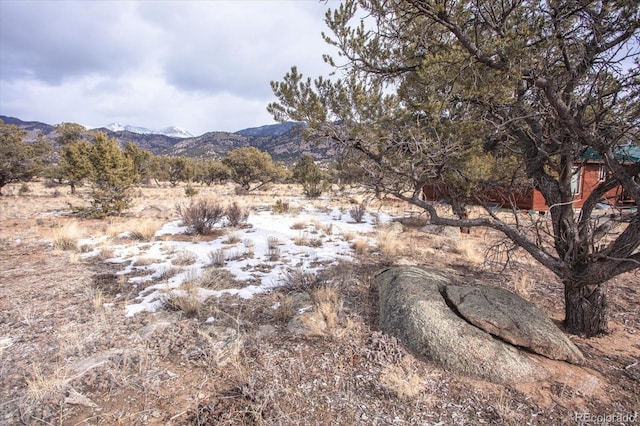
<point x="144" y="230"/>
<point x="389" y="241"/>
<point x="217" y="258"/>
<point x="217" y="279"/>
<point x="507" y="411"/>
<point x="167" y="368"/>
<point x="523" y="284"/>
<point x="184" y="258"/>
<point x="187" y="301"/>
<point x="329" y="305"/>
<point x="299" y="280"/>
<point x="232" y="239"/>
<point x="402" y="381"/>
<point x="299" y="225"/>
<point x="283" y="309"/>
<point x="67" y="236"/>
<point x="42" y="386"/>
<point x="361" y="247"/>
<point x="467" y="249"/>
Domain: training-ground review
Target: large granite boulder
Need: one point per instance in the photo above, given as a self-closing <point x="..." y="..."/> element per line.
<point x="512" y="319"/>
<point x="417" y="308"/>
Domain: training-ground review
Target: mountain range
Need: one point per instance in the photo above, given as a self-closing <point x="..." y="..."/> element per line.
<point x="284" y="141"/>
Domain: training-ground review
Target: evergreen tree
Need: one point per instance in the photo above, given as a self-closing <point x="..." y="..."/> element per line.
<point x="180" y="169"/>
<point x="211" y="171"/>
<point x="250" y="165"/>
<point x="75" y="162"/>
<point x="112" y="175"/>
<point x="20" y="161"/>
<point x="307" y="173"/>
<point x="471" y="96"/>
<point x="141" y="158"/>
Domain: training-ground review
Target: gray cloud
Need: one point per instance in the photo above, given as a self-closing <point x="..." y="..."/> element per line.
<point x="51" y="41"/>
<point x="202" y="65"/>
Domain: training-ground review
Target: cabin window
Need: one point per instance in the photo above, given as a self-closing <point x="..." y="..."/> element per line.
<point x="576" y="175"/>
<point x="602" y="173"/>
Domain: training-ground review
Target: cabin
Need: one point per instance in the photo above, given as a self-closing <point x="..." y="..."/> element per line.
<point x="588" y="174"/>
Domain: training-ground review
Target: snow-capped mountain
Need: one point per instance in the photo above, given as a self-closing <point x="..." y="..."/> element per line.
<point x="171" y="131"/>
<point x="175" y="132"/>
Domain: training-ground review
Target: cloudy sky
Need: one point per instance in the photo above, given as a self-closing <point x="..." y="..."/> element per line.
<point x="199" y="65"/>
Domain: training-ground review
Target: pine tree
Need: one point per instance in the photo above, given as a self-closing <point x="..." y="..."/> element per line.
<point x="19" y="161"/>
<point x="112" y="176"/>
<point x="474" y="96"/>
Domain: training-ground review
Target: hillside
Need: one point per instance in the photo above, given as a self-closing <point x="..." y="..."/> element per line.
<point x="284" y="142"/>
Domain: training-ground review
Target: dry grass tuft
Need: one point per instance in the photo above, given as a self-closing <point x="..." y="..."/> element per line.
<point x="41" y="387"/>
<point x="184" y="258"/>
<point x="402" y="381"/>
<point x="300" y="280"/>
<point x="232" y="239"/>
<point x="506" y="412"/>
<point x="523" y="284"/>
<point x="217" y="258"/>
<point x="283" y="307"/>
<point x="145" y="230"/>
<point x="217" y="279"/>
<point x="361" y="247"/>
<point x="67" y="236"/>
<point x="328" y="303"/>
<point x="300" y="225"/>
<point x="388" y="241"/>
<point x="187" y="301"/>
<point x="467" y="249"/>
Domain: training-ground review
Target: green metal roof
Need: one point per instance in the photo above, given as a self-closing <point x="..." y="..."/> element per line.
<point x="624" y="154"/>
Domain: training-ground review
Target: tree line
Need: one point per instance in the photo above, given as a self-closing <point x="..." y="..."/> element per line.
<point x="92" y="158"/>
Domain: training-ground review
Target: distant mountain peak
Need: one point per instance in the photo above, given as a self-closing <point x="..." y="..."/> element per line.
<point x="171" y="131"/>
<point x="278" y="129"/>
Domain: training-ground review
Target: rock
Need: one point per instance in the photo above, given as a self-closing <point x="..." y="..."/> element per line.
<point x="413" y="309"/>
<point x="310" y="324"/>
<point x="76" y="398"/>
<point x="301" y="302"/>
<point x="445" y="231"/>
<point x="221" y="344"/>
<point x="513" y="319"/>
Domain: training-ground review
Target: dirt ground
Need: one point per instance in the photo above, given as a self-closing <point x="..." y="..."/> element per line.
<point x="70" y="356"/>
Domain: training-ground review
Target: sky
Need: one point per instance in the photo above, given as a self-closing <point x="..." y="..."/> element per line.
<point x="198" y="65"/>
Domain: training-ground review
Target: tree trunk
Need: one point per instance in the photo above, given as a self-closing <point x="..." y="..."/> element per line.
<point x="585" y="309"/>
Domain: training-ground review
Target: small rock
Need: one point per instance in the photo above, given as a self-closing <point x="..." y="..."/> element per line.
<point x="76" y="398"/>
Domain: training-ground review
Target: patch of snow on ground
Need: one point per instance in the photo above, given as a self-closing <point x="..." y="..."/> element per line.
<point x="150" y="260"/>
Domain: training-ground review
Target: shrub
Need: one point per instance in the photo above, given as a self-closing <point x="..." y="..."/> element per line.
<point x="357" y="213"/>
<point x="236" y="214"/>
<point x="184" y="258"/>
<point x="24" y="189"/>
<point x="273" y="251"/>
<point x="301" y="280"/>
<point x="200" y="216"/>
<point x="190" y="191"/>
<point x="217" y="258"/>
<point x="360" y="246"/>
<point x="279" y="207"/>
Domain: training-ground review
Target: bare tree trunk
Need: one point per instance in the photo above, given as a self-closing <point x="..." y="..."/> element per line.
<point x="585" y="309"/>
